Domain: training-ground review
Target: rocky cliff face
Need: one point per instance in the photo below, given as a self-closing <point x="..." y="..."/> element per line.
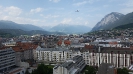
<point x="107" y="21"/>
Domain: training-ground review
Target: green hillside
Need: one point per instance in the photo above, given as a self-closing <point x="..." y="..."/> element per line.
<point x="8" y="33"/>
<point x="126" y="26"/>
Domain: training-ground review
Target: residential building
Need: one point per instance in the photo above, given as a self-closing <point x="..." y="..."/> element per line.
<point x="24" y="52"/>
<point x="58" y="54"/>
<point x="7" y="59"/>
<point x="119" y="57"/>
<point x="53" y="54"/>
<point x="9" y="43"/>
<point x="73" y="66"/>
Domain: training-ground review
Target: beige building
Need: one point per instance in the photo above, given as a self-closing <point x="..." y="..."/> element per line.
<point x="25" y="52"/>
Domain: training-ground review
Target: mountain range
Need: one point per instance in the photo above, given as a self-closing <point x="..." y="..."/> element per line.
<point x="110" y="21"/>
<point x="12" y="25"/>
<point x="64" y="28"/>
<point x="113" y="20"/>
<point x="70" y="29"/>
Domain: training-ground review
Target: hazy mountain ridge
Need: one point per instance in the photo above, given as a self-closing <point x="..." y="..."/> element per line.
<point x="17" y="32"/>
<point x="12" y="25"/>
<point x="108" y="20"/>
<point x="70" y="29"/>
<point x="13" y="29"/>
<point x="65" y="28"/>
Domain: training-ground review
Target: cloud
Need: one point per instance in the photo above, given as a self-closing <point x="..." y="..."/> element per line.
<point x="79" y="18"/>
<point x="86" y="23"/>
<point x="66" y="21"/>
<point x="0" y="6"/>
<point x="126" y="10"/>
<point x="55" y="1"/>
<point x="105" y="6"/>
<point x="74" y="21"/>
<point x="51" y="16"/>
<point x="13" y="11"/>
<point x="37" y="10"/>
<point x="15" y="14"/>
<point x="85" y="2"/>
<point x="129" y="3"/>
<point x="23" y="20"/>
<point x="1" y="11"/>
<point x="16" y="19"/>
<point x="80" y="3"/>
<point x="127" y="7"/>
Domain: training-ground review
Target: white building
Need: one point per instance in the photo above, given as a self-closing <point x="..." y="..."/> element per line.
<point x="119" y="57"/>
<point x="10" y="43"/>
<point x="53" y="54"/>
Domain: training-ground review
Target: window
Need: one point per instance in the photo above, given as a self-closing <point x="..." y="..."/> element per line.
<point x="22" y="72"/>
<point x="18" y="73"/>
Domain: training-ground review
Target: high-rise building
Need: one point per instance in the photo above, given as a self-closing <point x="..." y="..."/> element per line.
<point x="7" y="59"/>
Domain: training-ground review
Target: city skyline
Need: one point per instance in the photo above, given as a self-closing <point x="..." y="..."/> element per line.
<point x="53" y="12"/>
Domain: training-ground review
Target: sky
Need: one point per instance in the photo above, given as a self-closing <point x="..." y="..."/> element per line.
<point x="49" y="13"/>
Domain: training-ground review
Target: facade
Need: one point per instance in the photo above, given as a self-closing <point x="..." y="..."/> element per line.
<point x="53" y="54"/>
<point x="9" y="43"/>
<point x="92" y="55"/>
<point x="85" y="56"/>
<point x="119" y="57"/>
<point x="24" y="52"/>
<point x="58" y="54"/>
<point x="73" y="66"/>
<point x="7" y="59"/>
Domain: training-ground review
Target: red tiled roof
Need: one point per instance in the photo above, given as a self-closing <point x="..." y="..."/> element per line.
<point x="17" y="49"/>
<point x="113" y="43"/>
<point x="59" y="42"/>
<point x="66" y="42"/>
<point x="24" y="46"/>
<point x="2" y="48"/>
<point x="131" y="47"/>
<point x="89" y="46"/>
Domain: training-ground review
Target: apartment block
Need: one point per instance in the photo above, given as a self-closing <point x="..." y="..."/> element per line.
<point x="7" y="59"/>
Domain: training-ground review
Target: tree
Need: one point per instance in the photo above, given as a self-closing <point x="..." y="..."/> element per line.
<point x="90" y="70"/>
<point x="34" y="72"/>
<point x="43" y="69"/>
<point x="27" y="72"/>
<point x="122" y="71"/>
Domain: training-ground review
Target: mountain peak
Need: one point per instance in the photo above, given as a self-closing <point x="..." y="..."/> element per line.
<point x="107" y="20"/>
<point x="116" y="13"/>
